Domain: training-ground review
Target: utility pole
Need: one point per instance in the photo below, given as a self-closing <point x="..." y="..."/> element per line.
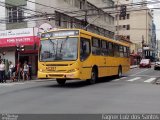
<point x="142" y="46"/>
<point x="157" y="48"/>
<point x="19" y="48"/>
<point x="117" y="15"/>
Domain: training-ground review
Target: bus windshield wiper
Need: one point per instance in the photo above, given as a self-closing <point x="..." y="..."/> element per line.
<point x="63" y="43"/>
<point x="53" y="45"/>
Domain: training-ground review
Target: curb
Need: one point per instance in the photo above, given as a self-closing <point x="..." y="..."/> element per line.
<point x="132" y="67"/>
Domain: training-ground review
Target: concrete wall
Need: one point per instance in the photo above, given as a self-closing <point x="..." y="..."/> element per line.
<point x="105" y="21"/>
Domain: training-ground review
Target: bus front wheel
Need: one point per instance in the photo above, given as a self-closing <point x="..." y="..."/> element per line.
<point x="61" y="81"/>
<point x="94" y="76"/>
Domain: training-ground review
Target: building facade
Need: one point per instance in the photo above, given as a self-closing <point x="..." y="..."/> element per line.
<point x="136" y="26"/>
<point x="46" y="15"/>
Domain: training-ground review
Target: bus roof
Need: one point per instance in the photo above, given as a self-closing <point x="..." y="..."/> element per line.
<point x="93" y="34"/>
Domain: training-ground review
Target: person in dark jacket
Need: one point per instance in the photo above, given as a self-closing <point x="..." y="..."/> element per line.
<point x="30" y="70"/>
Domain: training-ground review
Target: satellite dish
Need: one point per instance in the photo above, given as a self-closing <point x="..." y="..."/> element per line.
<point x="44" y="27"/>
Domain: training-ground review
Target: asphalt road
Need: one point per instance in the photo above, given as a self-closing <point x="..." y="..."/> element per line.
<point x="133" y="93"/>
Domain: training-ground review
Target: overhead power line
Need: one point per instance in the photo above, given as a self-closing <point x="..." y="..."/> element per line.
<point x="42" y="14"/>
<point x="11" y="5"/>
<point x="111" y="7"/>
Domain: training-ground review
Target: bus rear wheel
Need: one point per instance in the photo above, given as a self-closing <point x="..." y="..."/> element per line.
<point x="61" y="81"/>
<point x="94" y="76"/>
<point x="119" y="72"/>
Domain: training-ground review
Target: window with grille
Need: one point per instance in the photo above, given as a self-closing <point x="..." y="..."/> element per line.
<point x="15" y="14"/>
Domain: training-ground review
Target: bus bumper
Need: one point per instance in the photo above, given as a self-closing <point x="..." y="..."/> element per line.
<point x="73" y="75"/>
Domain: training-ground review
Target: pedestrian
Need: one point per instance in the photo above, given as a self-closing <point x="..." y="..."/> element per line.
<point x="2" y="72"/>
<point x="30" y="70"/>
<point x="11" y="70"/>
<point x="25" y="71"/>
<point x="18" y="71"/>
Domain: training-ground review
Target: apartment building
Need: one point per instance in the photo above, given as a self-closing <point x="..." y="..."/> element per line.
<point x="137" y="27"/>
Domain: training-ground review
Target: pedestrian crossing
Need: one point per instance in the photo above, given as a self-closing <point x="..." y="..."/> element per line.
<point x="150" y="80"/>
<point x="138" y="79"/>
<point x="134" y="79"/>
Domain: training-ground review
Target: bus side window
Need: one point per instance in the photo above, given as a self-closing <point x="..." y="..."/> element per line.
<point x="128" y="51"/>
<point x="85" y="49"/>
<point x="104" y="50"/>
<point x="96" y="46"/>
<point x="116" y="50"/>
<point x="111" y="49"/>
<point x="121" y="51"/>
<point x="125" y="52"/>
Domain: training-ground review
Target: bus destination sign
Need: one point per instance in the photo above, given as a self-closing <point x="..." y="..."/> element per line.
<point x="63" y="33"/>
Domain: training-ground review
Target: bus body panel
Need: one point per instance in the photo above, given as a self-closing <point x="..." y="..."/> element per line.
<point x="81" y="70"/>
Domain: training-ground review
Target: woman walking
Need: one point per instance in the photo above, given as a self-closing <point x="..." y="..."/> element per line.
<point x="2" y="72"/>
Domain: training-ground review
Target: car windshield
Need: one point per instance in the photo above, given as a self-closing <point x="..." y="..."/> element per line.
<point x="59" y="49"/>
<point x="145" y="61"/>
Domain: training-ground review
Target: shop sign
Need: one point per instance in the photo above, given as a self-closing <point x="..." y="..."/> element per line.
<point x="15" y="37"/>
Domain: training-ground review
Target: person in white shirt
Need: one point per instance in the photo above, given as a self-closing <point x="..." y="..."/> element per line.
<point x="11" y="67"/>
<point x="2" y="71"/>
<point x="25" y="70"/>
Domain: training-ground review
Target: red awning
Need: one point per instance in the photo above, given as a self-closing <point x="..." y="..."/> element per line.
<point x="27" y="40"/>
<point x="135" y="55"/>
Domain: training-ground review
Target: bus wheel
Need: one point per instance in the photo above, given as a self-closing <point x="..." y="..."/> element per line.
<point x="61" y="81"/>
<point x="94" y="76"/>
<point x="119" y="72"/>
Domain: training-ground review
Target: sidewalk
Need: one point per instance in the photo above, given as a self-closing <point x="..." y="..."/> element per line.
<point x="34" y="78"/>
<point x="133" y="66"/>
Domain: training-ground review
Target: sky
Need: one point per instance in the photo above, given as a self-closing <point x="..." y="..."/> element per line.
<point x="156" y="18"/>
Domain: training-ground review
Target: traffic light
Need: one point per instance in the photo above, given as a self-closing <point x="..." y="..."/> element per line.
<point x="123" y="11"/>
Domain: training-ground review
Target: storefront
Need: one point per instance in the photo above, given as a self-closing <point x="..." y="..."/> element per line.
<point x="135" y="59"/>
<point x="20" y="45"/>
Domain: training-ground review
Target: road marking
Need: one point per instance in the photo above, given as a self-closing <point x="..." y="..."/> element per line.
<point x="10" y="84"/>
<point x="116" y="80"/>
<point x="149" y="80"/>
<point x="140" y="72"/>
<point x="6" y="84"/>
<point x="131" y="80"/>
<point x="119" y="79"/>
<point x="144" y="76"/>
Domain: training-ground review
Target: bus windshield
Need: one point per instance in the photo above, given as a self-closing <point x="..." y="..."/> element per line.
<point x="59" y="49"/>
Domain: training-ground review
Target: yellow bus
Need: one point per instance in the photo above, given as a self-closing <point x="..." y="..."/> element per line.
<point x="76" y="54"/>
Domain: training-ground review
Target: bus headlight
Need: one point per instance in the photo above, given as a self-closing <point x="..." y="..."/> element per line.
<point x="40" y="70"/>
